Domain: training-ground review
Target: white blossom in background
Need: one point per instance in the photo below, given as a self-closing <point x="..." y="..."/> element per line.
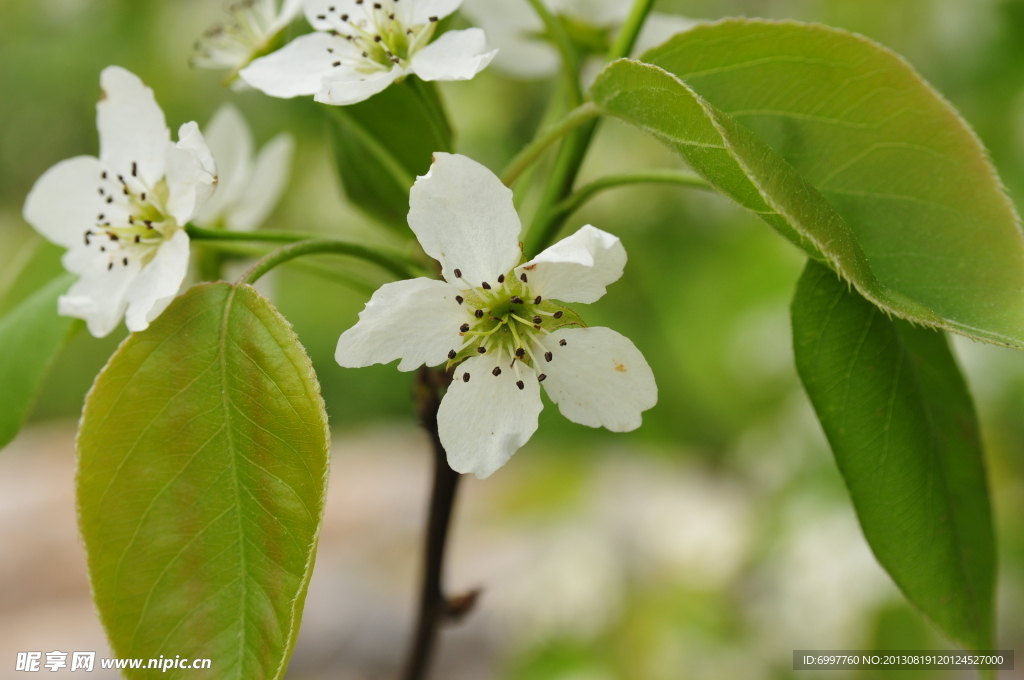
<point x="495" y="319"/>
<point x="362" y="46"/>
<point x="248" y="187"/>
<point x="122" y="216"/>
<point x="255" y="29"/>
<point x="516" y="30"/>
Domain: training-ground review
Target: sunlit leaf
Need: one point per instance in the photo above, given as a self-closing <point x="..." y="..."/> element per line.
<point x="31" y="337"/>
<point x="383" y="143"/>
<point x="842" y="147"/>
<point x="903" y="429"/>
<point x="202" y="474"/>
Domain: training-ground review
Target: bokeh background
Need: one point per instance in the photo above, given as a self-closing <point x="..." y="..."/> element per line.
<point x="708" y="544"/>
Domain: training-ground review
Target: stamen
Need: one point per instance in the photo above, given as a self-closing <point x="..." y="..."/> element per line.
<point x="522" y="277"/>
<point x="458" y="273"/>
<point x="479" y="313"/>
<point x="486" y="286"/>
<point x="496" y="372"/>
<point x="520" y="353"/>
<point x="562" y="343"/>
<point x="536" y="300"/>
<point x="459" y="299"/>
<point x="516" y="300"/>
<point x="537" y="320"/>
<point x="541" y="377"/>
<point x="548" y="356"/>
<point x="464" y="327"/>
<point x="481" y="349"/>
<point x="465" y="377"/>
<point x="501" y="278"/>
<point x="558" y="315"/>
<point x="520" y="384"/>
<point x="135" y="169"/>
<point x="451" y="354"/>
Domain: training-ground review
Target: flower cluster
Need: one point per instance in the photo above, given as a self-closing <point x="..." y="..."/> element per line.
<point x="362" y="46"/>
<point x="499" y="322"/>
<point x="122" y="216"/>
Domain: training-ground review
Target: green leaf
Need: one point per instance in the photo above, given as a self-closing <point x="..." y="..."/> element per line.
<point x="203" y="454"/>
<point x="383" y="143"/>
<point x="837" y="143"/>
<point x="32" y="335"/>
<point x="903" y="429"/>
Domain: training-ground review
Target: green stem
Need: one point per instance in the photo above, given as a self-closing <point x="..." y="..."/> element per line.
<point x="574" y="149"/>
<point x="325" y="245"/>
<point x="545" y="138"/>
<point x="576" y="199"/>
<point x="356" y="283"/>
<point x="203" y="234"/>
<point x="626" y="39"/>
<point x="570" y="67"/>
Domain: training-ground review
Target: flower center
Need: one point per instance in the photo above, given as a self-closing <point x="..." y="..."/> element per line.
<point x="378" y="34"/>
<point x="235" y="44"/>
<point x="507" y="320"/>
<point x="134" y="221"/>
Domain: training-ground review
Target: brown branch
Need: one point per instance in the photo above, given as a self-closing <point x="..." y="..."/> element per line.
<point x="435" y="608"/>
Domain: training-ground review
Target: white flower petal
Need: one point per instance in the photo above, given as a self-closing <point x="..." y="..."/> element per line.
<point x="484" y="421"/>
<point x="65" y="202"/>
<point x="157" y="283"/>
<point x="99" y="295"/>
<point x="423" y="11"/>
<point x="230" y="142"/>
<point x="599" y="378"/>
<point x="191" y="174"/>
<point x="456" y="55"/>
<point x="416" y="321"/>
<point x="345" y="85"/>
<point x="512" y="27"/>
<point x="336" y="8"/>
<point x="290" y="9"/>
<point x="132" y="126"/>
<point x="578" y="268"/>
<point x="266" y="184"/>
<point x="464" y="218"/>
<point x="296" y="69"/>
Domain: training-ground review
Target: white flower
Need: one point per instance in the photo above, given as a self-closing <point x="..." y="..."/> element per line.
<point x="360" y="47"/>
<point x="518" y="32"/>
<point x="247" y="188"/>
<point x="121" y="216"/>
<point x="255" y="30"/>
<point x="496" y="319"/>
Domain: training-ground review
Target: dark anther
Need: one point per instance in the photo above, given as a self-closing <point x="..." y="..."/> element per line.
<point x="520" y="352"/>
<point x="376" y="5"/>
<point x="100" y="216"/>
<point x="87" y="234"/>
<point x="344" y="17"/>
<point x="377" y="38"/>
<point x="548" y="356"/>
<point x="486" y="286"/>
<point x="522" y="277"/>
<point x="149" y="224"/>
<point x="365" y="55"/>
<point x="459" y="299"/>
<point x="536" y="300"/>
<point x="112" y="236"/>
<point x="103" y="174"/>
<point x="451" y="354"/>
<point x="330" y="50"/>
<point x="516" y="300"/>
<point x="321" y="17"/>
<point x="537" y="320"/>
<point x="126" y="192"/>
<point x="496" y="372"/>
<point x="481" y="350"/>
<point x="391" y="16"/>
<point x="433" y="19"/>
<point x="458" y="273"/>
<point x="135" y="169"/>
<point x="562" y="343"/>
<point x="558" y="315"/>
<point x="143" y="196"/>
<point x="101" y="191"/>
<point x="131" y="220"/>
<point x="465" y="377"/>
<point x="138" y="239"/>
<point x="110" y="199"/>
<point x="501" y="278"/>
<point x="110" y="265"/>
<point x="464" y="327"/>
<point x="125" y="261"/>
<point x="103" y="249"/>
<point x="479" y="313"/>
<point x="336" y="64"/>
<point x="331" y="8"/>
<point x="541" y="377"/>
<point x="520" y="385"/>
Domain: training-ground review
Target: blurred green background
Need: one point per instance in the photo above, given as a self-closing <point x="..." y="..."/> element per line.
<point x="746" y="547"/>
